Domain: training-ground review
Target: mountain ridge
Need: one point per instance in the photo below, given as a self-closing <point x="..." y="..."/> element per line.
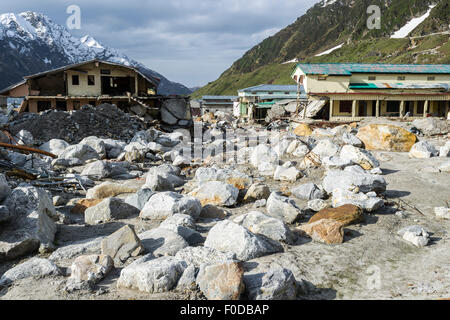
<point x="31" y="42"/>
<point x="329" y="24"/>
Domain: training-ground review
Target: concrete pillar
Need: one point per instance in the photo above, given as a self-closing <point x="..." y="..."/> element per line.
<point x="354" y="106"/>
<point x="402" y="108"/>
<point x="331" y="108"/>
<point x="425" y="108"/>
<point x="32" y="106"/>
<point x="447" y="108"/>
<point x="377" y="109"/>
<point x="69" y="105"/>
<point x="416" y="104"/>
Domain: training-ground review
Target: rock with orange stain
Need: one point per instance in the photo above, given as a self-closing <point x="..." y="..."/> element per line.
<point x="221" y="281"/>
<point x="386" y="137"/>
<point x="303" y="130"/>
<point x="217" y="193"/>
<point x="325" y="230"/>
<point x="233" y="177"/>
<point x="346" y="214"/>
<point x="81" y="206"/>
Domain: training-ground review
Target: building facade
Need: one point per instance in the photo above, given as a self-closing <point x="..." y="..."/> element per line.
<point x="356" y="91"/>
<point x="217" y="103"/>
<point x="91" y="82"/>
<point x="254" y="102"/>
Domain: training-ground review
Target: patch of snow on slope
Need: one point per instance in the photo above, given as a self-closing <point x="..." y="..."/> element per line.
<point x="291" y="61"/>
<point x="411" y="25"/>
<point x="327" y="3"/>
<point x="330" y="50"/>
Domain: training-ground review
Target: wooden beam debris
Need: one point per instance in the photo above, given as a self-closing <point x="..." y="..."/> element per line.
<point x="29" y="149"/>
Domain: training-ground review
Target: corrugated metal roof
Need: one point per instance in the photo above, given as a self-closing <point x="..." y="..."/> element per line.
<point x="219" y="97"/>
<point x="349" y="68"/>
<point x="151" y="79"/>
<point x="271" y="87"/>
<point x="379" y="85"/>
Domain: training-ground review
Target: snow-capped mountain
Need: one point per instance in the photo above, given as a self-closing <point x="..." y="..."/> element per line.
<point x="30" y="42"/>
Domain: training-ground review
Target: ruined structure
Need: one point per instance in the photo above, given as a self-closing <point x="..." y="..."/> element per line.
<point x="96" y="82"/>
<point x="354" y="91"/>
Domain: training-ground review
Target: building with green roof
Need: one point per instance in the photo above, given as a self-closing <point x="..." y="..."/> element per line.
<point x="352" y="91"/>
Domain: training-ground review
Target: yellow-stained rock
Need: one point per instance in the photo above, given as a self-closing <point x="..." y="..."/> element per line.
<point x="303" y="130"/>
<point x="83" y="204"/>
<point x="386" y="137"/>
<point x="346" y="214"/>
<point x="325" y="230"/>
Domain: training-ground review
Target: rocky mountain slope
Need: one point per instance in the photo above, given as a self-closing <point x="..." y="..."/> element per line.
<point x="30" y="42"/>
<point x="339" y="28"/>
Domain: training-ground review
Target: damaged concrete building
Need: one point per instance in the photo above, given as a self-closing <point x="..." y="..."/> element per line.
<point x="255" y="102"/>
<point x="352" y="91"/>
<point x="95" y="82"/>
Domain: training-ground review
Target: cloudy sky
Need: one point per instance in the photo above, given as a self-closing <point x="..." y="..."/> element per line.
<point x="188" y="41"/>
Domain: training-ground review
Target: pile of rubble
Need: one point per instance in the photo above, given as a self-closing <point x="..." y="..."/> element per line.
<point x="192" y="214"/>
<point x="105" y="121"/>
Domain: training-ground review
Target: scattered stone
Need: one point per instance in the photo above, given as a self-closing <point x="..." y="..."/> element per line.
<point x="152" y="275"/>
<point x="32" y="268"/>
<point x="351" y="139"/>
<point x="325" y="148"/>
<point x="212" y="212"/>
<point x="162" y="242"/>
<point x="444" y="151"/>
<point x="287" y="174"/>
<point x="431" y="126"/>
<point x="110" y="189"/>
<point x="272" y="228"/>
<point x="84" y="247"/>
<point x="347" y="214"/>
<point x="140" y="198"/>
<point x="369" y="202"/>
<point x="307" y="191"/>
<point x="283" y="208"/>
<point x="31" y="224"/>
<point x="423" y="150"/>
<point x="303" y="130"/>
<point x="227" y="236"/>
<point x="165" y="204"/>
<point x="187" y="280"/>
<point x="82" y="204"/>
<point x="82" y="152"/>
<point x="216" y="193"/>
<point x="55" y="146"/>
<point x="88" y="270"/>
<point x="221" y="281"/>
<point x="197" y="256"/>
<point x="359" y="156"/>
<point x="237" y="179"/>
<point x="336" y="163"/>
<point x="348" y="180"/>
<point x="327" y="231"/>
<point x="317" y="205"/>
<point x="263" y="154"/>
<point x="122" y="244"/>
<point x="386" y="137"/>
<point x="442" y="212"/>
<point x="276" y="284"/>
<point x="260" y="203"/>
<point x="5" y="190"/>
<point x="109" y="209"/>
<point x="416" y="235"/>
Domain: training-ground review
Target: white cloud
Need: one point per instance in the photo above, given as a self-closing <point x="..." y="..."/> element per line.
<point x="189" y="41"/>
